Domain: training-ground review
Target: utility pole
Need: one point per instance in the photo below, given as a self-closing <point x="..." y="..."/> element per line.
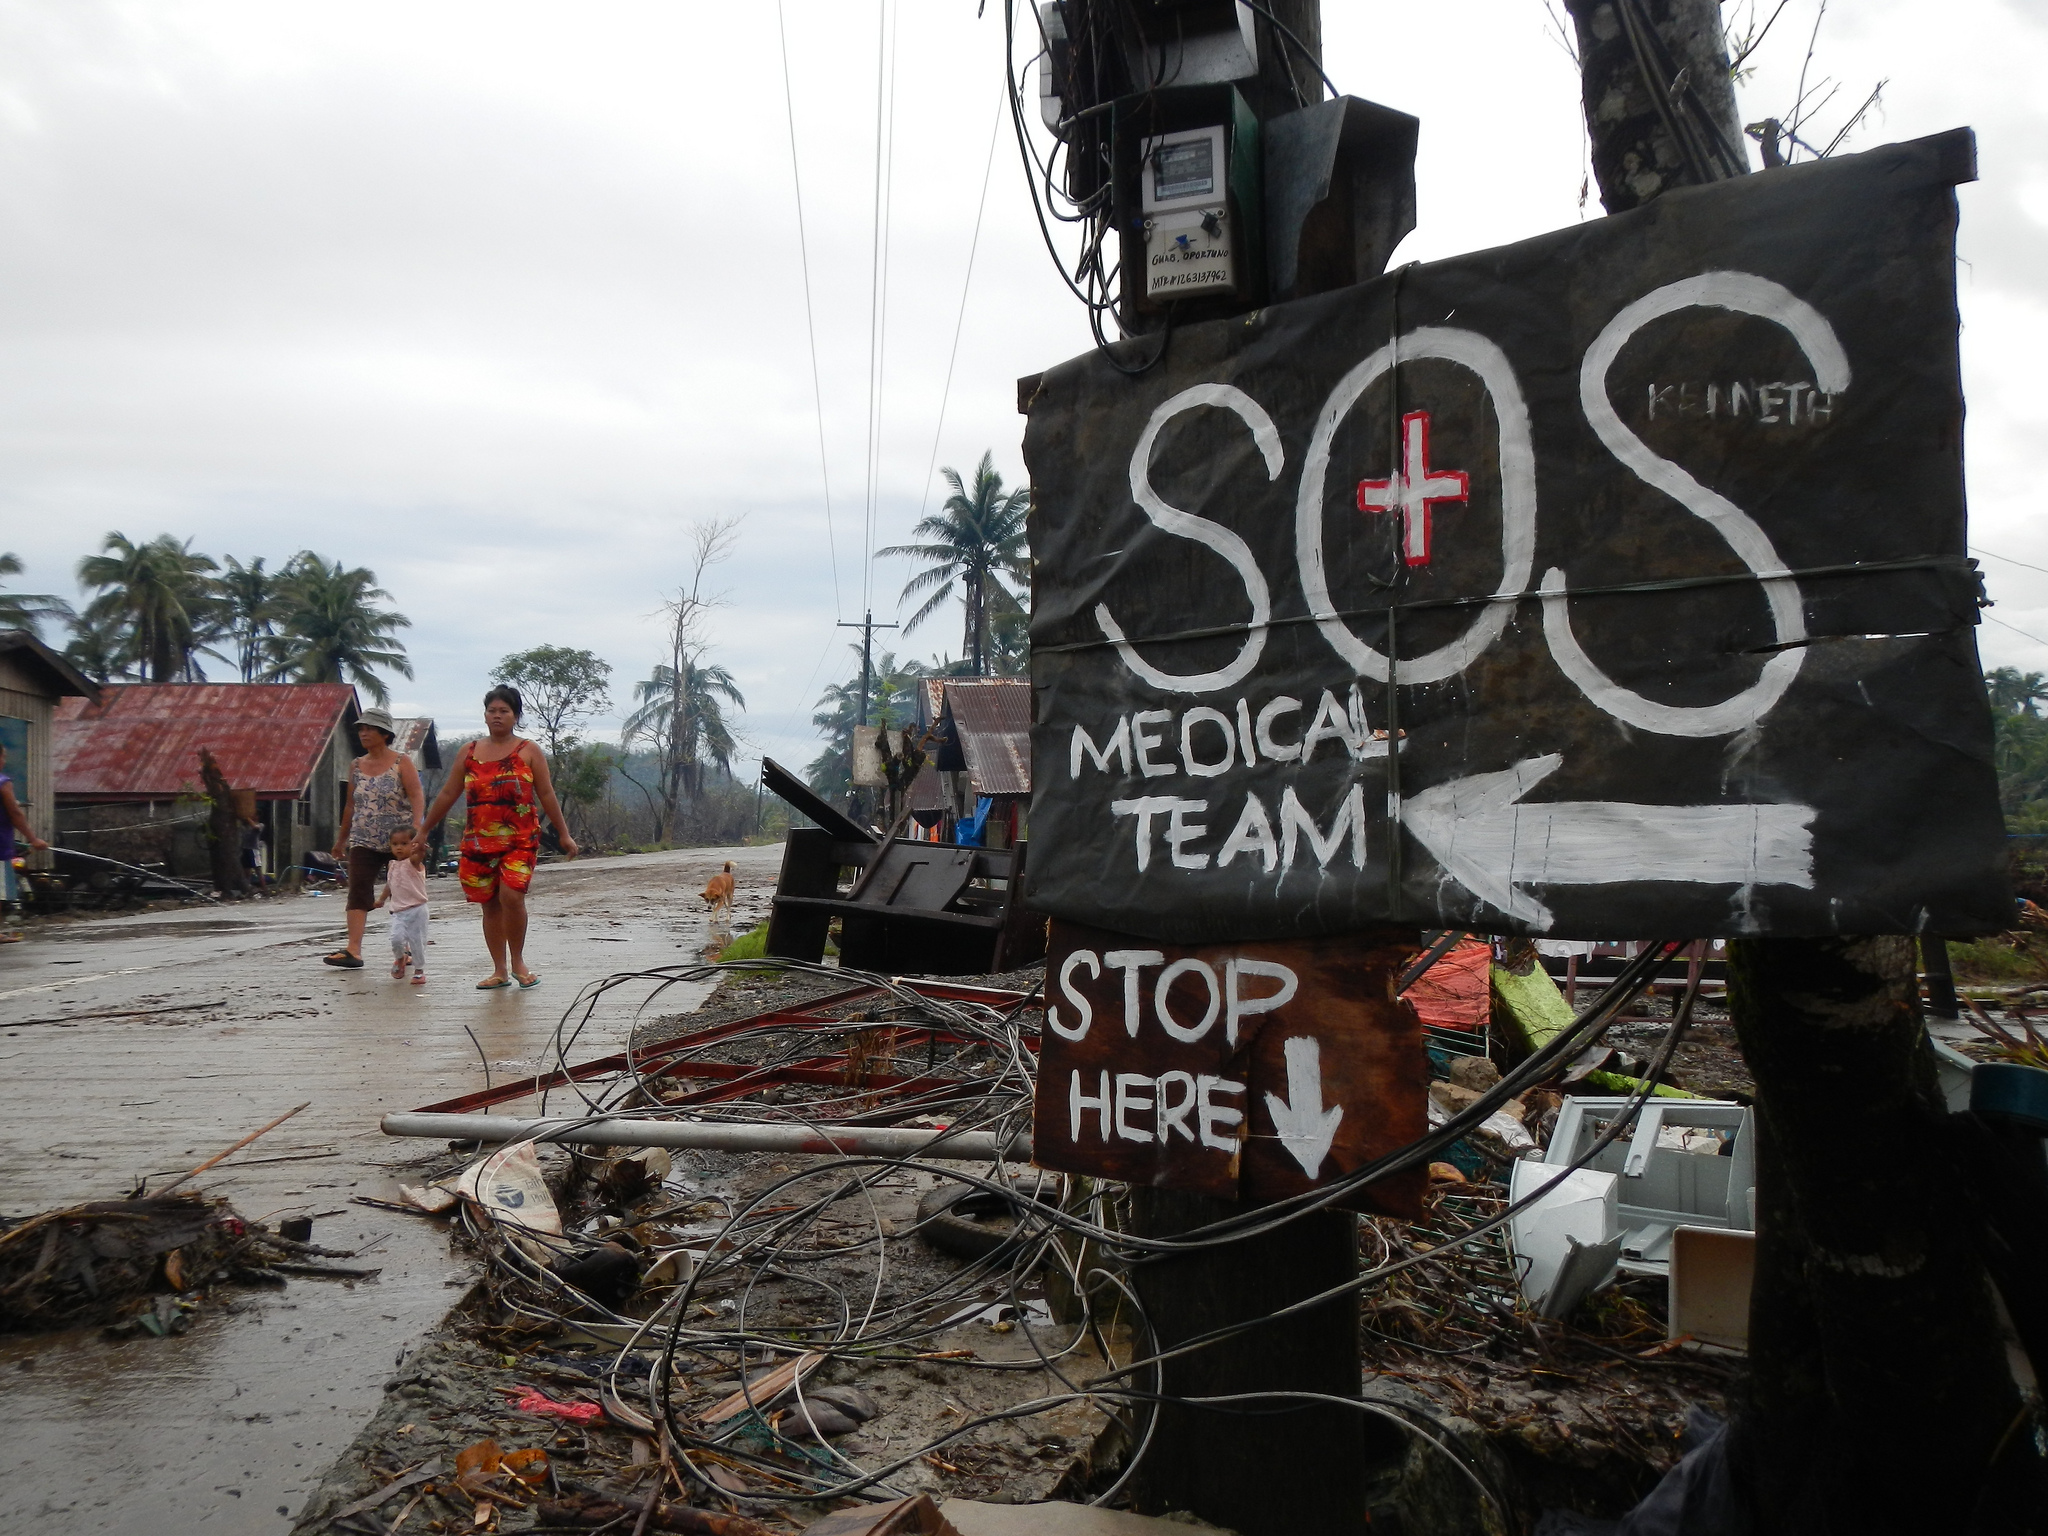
<point x="1272" y="1467"/>
<point x="1880" y="1396"/>
<point x="867" y="627"/>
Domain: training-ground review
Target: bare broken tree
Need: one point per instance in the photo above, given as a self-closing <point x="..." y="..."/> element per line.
<point x="223" y="828"/>
<point x="679" y="714"/>
<point x="1880" y="1395"/>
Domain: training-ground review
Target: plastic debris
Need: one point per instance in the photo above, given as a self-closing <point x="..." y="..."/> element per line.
<point x="533" y="1400"/>
<point x="508" y="1187"/>
<point x="1577" y="1216"/>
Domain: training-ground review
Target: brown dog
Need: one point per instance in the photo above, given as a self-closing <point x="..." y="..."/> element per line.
<point x="718" y="892"/>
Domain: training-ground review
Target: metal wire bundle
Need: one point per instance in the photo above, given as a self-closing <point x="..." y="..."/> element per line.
<point x="1070" y="1230"/>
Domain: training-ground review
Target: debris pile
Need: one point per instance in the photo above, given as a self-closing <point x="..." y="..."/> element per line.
<point x="764" y="1337"/>
<point x="141" y="1265"/>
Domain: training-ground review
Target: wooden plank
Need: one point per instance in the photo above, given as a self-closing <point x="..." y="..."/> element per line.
<point x="803" y="798"/>
<point x="1240" y="1071"/>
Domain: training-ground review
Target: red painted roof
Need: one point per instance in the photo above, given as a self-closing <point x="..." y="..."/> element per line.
<point x="141" y="741"/>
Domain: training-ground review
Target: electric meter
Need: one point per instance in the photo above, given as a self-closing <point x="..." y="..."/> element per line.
<point x="1186" y="205"/>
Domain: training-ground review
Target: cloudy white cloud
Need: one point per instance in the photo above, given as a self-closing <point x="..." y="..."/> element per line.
<point x="496" y="298"/>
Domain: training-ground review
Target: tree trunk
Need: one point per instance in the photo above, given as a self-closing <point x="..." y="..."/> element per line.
<point x="223" y="828"/>
<point x="1881" y="1394"/>
<point x="1660" y="107"/>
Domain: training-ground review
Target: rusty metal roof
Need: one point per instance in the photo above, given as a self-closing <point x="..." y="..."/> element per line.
<point x="418" y="740"/>
<point x="141" y="741"/>
<point x="990" y="718"/>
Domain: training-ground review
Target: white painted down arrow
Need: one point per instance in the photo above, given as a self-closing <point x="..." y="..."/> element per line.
<point x="1492" y="843"/>
<point x="1306" y="1128"/>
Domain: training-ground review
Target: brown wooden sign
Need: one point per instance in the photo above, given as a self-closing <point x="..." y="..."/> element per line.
<point x="1246" y="1071"/>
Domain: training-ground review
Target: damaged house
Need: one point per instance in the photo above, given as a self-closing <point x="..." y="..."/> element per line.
<point x="128" y="779"/>
<point x="980" y="768"/>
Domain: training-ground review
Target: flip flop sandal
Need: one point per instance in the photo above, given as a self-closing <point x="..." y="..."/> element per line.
<point x="493" y="984"/>
<point x="528" y="980"/>
<point x="420" y="980"/>
<point x="344" y="959"/>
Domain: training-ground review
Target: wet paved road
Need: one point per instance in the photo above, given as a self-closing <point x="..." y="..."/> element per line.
<point x="229" y="1425"/>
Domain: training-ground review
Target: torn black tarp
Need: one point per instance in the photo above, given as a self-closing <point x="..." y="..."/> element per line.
<point x="1661" y="518"/>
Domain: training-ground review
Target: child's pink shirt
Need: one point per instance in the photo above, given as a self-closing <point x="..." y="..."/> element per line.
<point x="408" y="885"/>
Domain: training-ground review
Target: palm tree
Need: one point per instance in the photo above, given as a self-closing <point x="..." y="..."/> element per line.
<point x="250" y="602"/>
<point x="158" y="595"/>
<point x="99" y="649"/>
<point x="682" y="719"/>
<point x="27" y="610"/>
<point x="332" y="632"/>
<point x="976" y="540"/>
<point x="2014" y="691"/>
<point x="891" y="703"/>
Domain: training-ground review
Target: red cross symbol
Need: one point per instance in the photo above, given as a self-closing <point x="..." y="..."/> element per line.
<point x="1418" y="489"/>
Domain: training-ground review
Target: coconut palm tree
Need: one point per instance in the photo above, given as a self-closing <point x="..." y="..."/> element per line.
<point x="159" y="595"/>
<point x="27" y="610"/>
<point x="891" y="704"/>
<point x="99" y="648"/>
<point x="250" y="603"/>
<point x="331" y="629"/>
<point x="975" y="541"/>
<point x="681" y="717"/>
<point x="2014" y="691"/>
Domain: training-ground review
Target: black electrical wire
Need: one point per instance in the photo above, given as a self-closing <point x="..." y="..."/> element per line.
<point x="1300" y="47"/>
<point x="758" y="1243"/>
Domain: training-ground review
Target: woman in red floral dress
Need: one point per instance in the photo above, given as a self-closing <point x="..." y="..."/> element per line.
<point x="505" y="778"/>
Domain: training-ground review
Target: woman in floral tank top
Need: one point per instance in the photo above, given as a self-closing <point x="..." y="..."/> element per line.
<point x="384" y="794"/>
<point x="505" y="779"/>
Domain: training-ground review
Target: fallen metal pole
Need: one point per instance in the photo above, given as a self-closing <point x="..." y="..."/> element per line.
<point x="721" y="1136"/>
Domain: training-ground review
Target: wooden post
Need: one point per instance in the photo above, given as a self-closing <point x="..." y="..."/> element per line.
<point x="1262" y="1472"/>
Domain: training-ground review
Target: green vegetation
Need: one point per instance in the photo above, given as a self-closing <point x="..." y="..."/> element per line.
<point x="975" y="542"/>
<point x="332" y="631"/>
<point x="751" y="945"/>
<point x="892" y="704"/>
<point x="1999" y="960"/>
<point x="27" y="610"/>
<point x="562" y="688"/>
<point x="2020" y="746"/>
<point x="160" y="609"/>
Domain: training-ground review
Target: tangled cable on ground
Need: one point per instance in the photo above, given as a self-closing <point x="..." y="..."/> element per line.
<point x="1070" y="1247"/>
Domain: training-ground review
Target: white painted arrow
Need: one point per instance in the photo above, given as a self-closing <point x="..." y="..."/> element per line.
<point x="1490" y="842"/>
<point x="1305" y="1127"/>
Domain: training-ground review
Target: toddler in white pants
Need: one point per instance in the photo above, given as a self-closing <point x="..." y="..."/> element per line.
<point x="405" y="892"/>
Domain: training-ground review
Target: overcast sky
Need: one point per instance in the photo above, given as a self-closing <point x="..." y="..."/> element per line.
<point x="497" y="298"/>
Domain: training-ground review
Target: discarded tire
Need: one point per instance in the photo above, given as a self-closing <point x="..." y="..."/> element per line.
<point x="968" y="1221"/>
